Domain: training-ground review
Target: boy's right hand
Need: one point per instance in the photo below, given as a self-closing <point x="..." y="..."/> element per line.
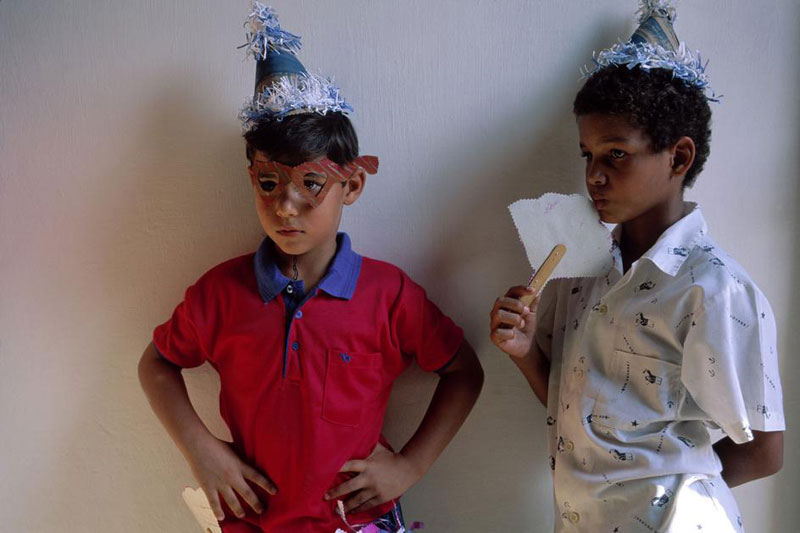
<point x="513" y="324"/>
<point x="220" y="472"/>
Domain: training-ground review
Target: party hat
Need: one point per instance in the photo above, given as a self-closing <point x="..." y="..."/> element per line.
<point x="283" y="85"/>
<point x="655" y="44"/>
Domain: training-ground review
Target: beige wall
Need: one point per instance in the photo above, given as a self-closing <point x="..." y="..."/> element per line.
<point x="122" y="179"/>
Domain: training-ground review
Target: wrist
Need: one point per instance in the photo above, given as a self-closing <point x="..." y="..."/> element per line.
<point x="523" y="357"/>
<point x="198" y="442"/>
<point x="415" y="467"/>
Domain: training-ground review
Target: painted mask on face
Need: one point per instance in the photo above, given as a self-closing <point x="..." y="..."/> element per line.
<point x="311" y="180"/>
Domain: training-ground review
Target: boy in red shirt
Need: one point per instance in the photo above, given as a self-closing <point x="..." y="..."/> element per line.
<point x="306" y="335"/>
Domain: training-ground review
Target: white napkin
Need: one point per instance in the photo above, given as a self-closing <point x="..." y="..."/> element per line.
<point x="570" y="220"/>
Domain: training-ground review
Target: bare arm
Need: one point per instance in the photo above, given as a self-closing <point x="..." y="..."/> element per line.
<point x="513" y="327"/>
<point x="742" y="463"/>
<point x="165" y="389"/>
<point x="385" y="475"/>
<point x="458" y="389"/>
<point x="536" y="369"/>
<point x="214" y="464"/>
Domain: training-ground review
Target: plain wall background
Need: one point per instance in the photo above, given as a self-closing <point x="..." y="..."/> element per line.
<point x="122" y="179"/>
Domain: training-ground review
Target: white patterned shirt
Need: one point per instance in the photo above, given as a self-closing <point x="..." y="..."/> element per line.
<point x="642" y="365"/>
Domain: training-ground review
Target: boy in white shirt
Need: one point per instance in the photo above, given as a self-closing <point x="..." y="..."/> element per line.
<point x="636" y="365"/>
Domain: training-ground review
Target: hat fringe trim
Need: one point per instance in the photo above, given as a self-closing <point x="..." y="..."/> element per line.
<point x="683" y="63"/>
<point x="306" y="93"/>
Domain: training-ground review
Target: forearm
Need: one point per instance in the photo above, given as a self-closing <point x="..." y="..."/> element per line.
<point x="536" y="369"/>
<point x="166" y="391"/>
<point x="742" y="463"/>
<point x="455" y="394"/>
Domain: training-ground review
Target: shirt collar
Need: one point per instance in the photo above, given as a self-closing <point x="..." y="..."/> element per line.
<point x="674" y="245"/>
<point x="340" y="280"/>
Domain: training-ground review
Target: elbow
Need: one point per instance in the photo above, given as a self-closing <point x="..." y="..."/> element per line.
<point x="774" y="463"/>
<point x="144" y="367"/>
<point x="776" y="453"/>
<point x="770" y="452"/>
<point x="474" y="381"/>
<point x="479" y="378"/>
<point x="475" y="373"/>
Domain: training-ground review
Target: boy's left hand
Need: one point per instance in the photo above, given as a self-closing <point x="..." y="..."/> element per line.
<point x="381" y="477"/>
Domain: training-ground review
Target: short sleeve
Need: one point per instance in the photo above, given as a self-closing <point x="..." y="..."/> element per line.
<point x="178" y="339"/>
<point x="545" y="318"/>
<point x="421" y="329"/>
<point x="730" y="364"/>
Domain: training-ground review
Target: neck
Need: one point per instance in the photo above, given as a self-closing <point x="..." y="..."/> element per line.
<point x="311" y="266"/>
<point x="640" y="234"/>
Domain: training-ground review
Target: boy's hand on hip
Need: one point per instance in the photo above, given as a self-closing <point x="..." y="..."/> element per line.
<point x="221" y="472"/>
<point x="512" y="323"/>
<point x="383" y="476"/>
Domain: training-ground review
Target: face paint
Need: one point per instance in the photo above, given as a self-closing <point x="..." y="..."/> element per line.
<point x="311" y="180"/>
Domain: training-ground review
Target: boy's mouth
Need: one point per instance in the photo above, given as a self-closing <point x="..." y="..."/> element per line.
<point x="289" y="231"/>
<point x="599" y="202"/>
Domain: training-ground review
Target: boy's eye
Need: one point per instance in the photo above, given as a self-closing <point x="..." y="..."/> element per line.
<point x="616" y="153"/>
<point x="314" y="182"/>
<point x="268" y="182"/>
<point x="586" y="155"/>
<point x="312" y="186"/>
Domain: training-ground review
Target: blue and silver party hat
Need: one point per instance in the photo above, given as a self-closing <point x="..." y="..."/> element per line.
<point x="283" y="85"/>
<point x="654" y="44"/>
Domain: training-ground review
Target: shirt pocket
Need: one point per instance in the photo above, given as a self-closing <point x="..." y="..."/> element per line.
<point x="639" y="390"/>
<point x="351" y="379"/>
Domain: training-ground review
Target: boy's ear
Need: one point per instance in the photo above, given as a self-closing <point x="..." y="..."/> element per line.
<point x="682" y="156"/>
<point x="354" y="186"/>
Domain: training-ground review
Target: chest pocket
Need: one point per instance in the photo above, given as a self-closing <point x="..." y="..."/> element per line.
<point x="351" y="381"/>
<point x="639" y="390"/>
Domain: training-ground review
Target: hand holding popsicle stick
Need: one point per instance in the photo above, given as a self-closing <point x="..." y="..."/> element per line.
<point x="544" y="272"/>
<point x="551" y="218"/>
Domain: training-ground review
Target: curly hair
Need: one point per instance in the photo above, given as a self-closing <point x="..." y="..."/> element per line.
<point x="299" y="138"/>
<point x="664" y="107"/>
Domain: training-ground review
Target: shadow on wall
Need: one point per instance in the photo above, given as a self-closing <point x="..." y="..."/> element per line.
<point x="181" y="203"/>
<point x="502" y="448"/>
<point x="785" y="518"/>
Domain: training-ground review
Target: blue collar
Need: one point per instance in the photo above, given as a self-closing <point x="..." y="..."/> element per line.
<point x="340" y="280"/>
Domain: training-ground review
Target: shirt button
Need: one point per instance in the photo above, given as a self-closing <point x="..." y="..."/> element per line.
<point x="298" y="314"/>
<point x="295" y="345"/>
<point x="574" y="517"/>
<point x="569" y="446"/>
<point x="289" y="289"/>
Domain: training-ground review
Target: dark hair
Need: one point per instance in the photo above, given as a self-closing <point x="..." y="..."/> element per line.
<point x="664" y="107"/>
<point x="299" y="138"/>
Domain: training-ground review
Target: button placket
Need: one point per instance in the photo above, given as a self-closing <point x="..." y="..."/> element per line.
<point x="292" y="367"/>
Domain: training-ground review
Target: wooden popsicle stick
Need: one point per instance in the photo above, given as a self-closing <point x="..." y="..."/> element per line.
<point x="544" y="272"/>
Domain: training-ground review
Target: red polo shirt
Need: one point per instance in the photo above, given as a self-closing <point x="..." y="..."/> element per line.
<point x="304" y="391"/>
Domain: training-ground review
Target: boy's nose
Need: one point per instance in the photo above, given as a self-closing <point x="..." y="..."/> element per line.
<point x="595" y="175"/>
<point x="286" y="204"/>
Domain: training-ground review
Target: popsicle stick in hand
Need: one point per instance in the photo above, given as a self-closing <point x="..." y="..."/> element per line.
<point x="544" y="273"/>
